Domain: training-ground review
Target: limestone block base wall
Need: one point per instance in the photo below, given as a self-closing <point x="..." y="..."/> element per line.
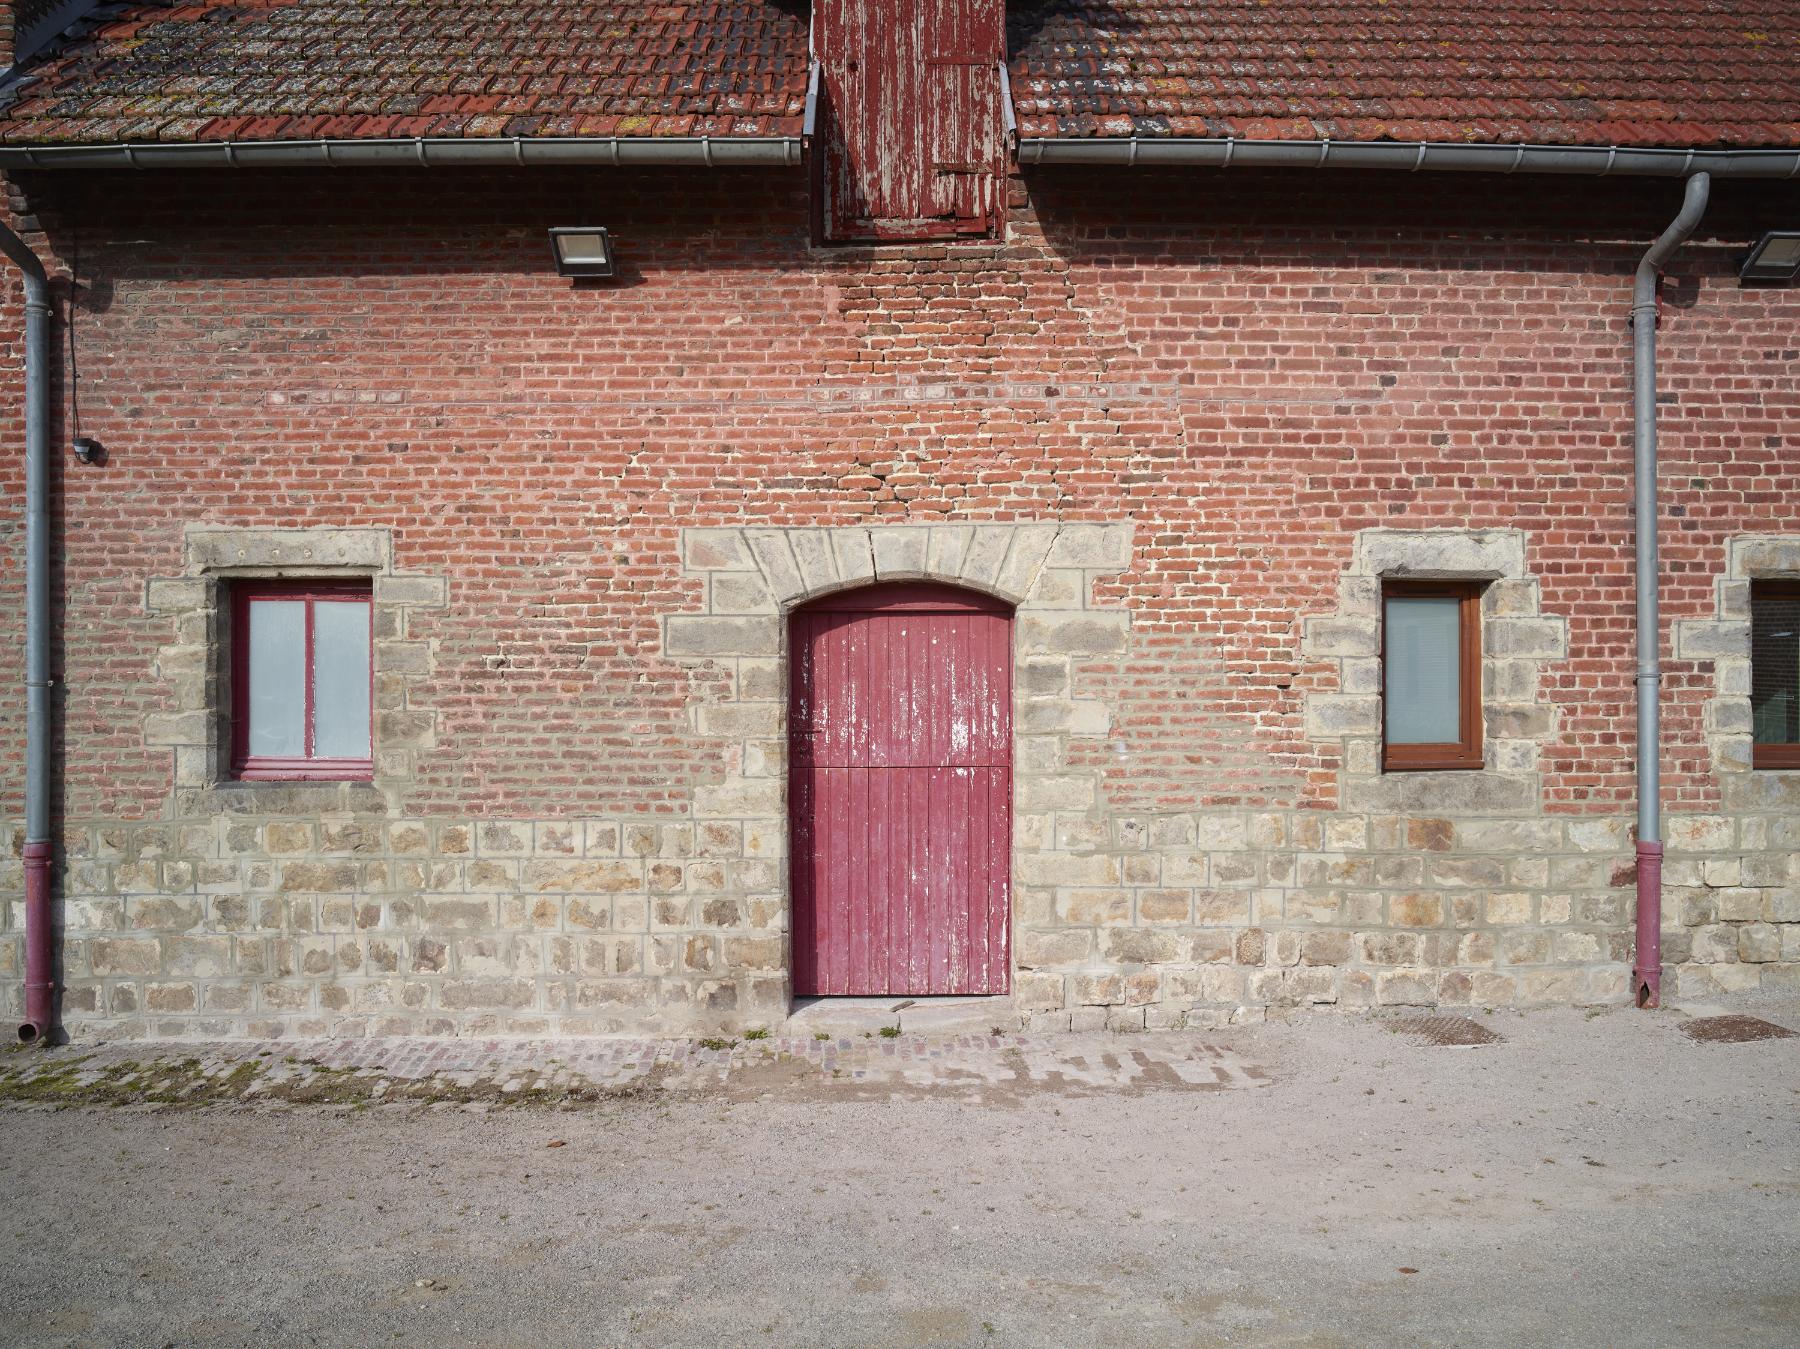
<point x="265" y="909"/>
<point x="1203" y="919"/>
<point x="357" y="924"/>
<point x="329" y="923"/>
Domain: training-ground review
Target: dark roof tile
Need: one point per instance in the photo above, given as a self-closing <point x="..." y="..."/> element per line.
<point x="305" y="69"/>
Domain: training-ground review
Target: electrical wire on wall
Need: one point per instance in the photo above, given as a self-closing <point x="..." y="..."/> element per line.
<point x="87" y="449"/>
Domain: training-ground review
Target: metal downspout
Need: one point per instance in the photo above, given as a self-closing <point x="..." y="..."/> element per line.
<point x="1646" y="974"/>
<point x="40" y="979"/>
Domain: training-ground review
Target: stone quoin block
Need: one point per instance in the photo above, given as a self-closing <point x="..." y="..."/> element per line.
<point x="1088" y="634"/>
<point x="701" y="636"/>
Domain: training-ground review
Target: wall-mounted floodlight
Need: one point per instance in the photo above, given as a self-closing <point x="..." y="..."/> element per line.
<point x="1776" y="257"/>
<point x="582" y="250"/>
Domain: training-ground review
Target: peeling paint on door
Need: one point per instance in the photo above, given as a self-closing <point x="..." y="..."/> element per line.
<point x="911" y="138"/>
<point x="901" y="792"/>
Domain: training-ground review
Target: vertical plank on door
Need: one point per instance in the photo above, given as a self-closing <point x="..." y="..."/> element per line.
<point x="901" y="792"/>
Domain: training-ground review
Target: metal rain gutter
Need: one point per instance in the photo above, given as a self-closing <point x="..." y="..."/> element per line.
<point x="1646" y="973"/>
<point x="40" y="979"/>
<point x="615" y="151"/>
<point x="1594" y="161"/>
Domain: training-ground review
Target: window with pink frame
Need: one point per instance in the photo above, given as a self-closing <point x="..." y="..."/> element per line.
<point x="302" y="681"/>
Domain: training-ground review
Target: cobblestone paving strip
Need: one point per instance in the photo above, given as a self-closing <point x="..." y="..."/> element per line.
<point x="566" y="1072"/>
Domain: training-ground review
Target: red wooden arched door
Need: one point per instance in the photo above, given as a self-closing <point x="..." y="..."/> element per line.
<point x="900" y="792"/>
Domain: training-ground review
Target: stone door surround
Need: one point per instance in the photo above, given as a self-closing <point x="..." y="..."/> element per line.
<point x="752" y="577"/>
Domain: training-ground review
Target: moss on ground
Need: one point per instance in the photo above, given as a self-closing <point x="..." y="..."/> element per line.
<point x="65" y="1083"/>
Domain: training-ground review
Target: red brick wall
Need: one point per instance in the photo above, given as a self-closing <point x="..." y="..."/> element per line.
<point x="1251" y="366"/>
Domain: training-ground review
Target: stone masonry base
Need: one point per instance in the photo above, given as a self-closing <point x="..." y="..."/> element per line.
<point x="365" y="925"/>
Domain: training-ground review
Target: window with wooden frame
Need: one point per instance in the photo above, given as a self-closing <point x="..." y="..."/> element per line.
<point x="302" y="680"/>
<point x="1775" y="673"/>
<point x="1430" y="675"/>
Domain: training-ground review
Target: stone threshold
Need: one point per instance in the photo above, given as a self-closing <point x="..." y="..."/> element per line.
<point x="979" y="1015"/>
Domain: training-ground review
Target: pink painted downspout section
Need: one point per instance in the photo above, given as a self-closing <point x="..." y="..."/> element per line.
<point x="40" y="965"/>
<point x="1646" y="973"/>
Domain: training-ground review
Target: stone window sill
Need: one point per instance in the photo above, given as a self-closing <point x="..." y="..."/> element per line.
<point x="1413" y="770"/>
<point x="294" y="798"/>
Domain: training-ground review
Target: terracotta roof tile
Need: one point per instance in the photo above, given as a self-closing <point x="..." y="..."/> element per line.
<point x="1597" y="72"/>
<point x="304" y="69"/>
<point x="1582" y="72"/>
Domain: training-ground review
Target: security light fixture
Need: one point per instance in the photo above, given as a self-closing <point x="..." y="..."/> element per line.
<point x="582" y="250"/>
<point x="1776" y="257"/>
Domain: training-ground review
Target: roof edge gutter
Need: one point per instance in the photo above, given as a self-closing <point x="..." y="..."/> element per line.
<point x="517" y="151"/>
<point x="1411" y="156"/>
<point x="748" y="151"/>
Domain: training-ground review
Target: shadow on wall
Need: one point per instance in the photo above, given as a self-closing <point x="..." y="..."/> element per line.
<point x="351" y="224"/>
<point x="1372" y="220"/>
<point x="376" y="222"/>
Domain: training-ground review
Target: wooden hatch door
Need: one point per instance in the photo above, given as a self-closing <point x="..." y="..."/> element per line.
<point x="911" y="140"/>
<point x="900" y="792"/>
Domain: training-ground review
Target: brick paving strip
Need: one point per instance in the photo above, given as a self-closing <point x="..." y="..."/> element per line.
<point x="538" y="1072"/>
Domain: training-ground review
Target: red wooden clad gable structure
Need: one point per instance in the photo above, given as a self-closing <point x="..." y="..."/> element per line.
<point x="901" y="792"/>
<point x="911" y="141"/>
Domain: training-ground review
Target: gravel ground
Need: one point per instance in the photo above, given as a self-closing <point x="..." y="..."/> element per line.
<point x="1591" y="1180"/>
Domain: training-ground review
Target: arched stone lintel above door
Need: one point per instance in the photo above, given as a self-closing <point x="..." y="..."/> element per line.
<point x="751" y="578"/>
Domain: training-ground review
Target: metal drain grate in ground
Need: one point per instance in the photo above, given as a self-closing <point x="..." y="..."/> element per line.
<point x="1445" y="1030"/>
<point x="1733" y="1030"/>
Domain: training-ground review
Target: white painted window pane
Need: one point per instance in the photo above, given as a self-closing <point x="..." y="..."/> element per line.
<point x="1424" y="670"/>
<point x="341" y="679"/>
<point x="277" y="678"/>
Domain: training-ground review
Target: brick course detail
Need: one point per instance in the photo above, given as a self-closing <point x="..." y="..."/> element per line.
<point x="1184" y="423"/>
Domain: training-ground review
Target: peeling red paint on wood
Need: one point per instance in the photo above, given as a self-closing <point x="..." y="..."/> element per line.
<point x="911" y="132"/>
<point x="901" y="792"/>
